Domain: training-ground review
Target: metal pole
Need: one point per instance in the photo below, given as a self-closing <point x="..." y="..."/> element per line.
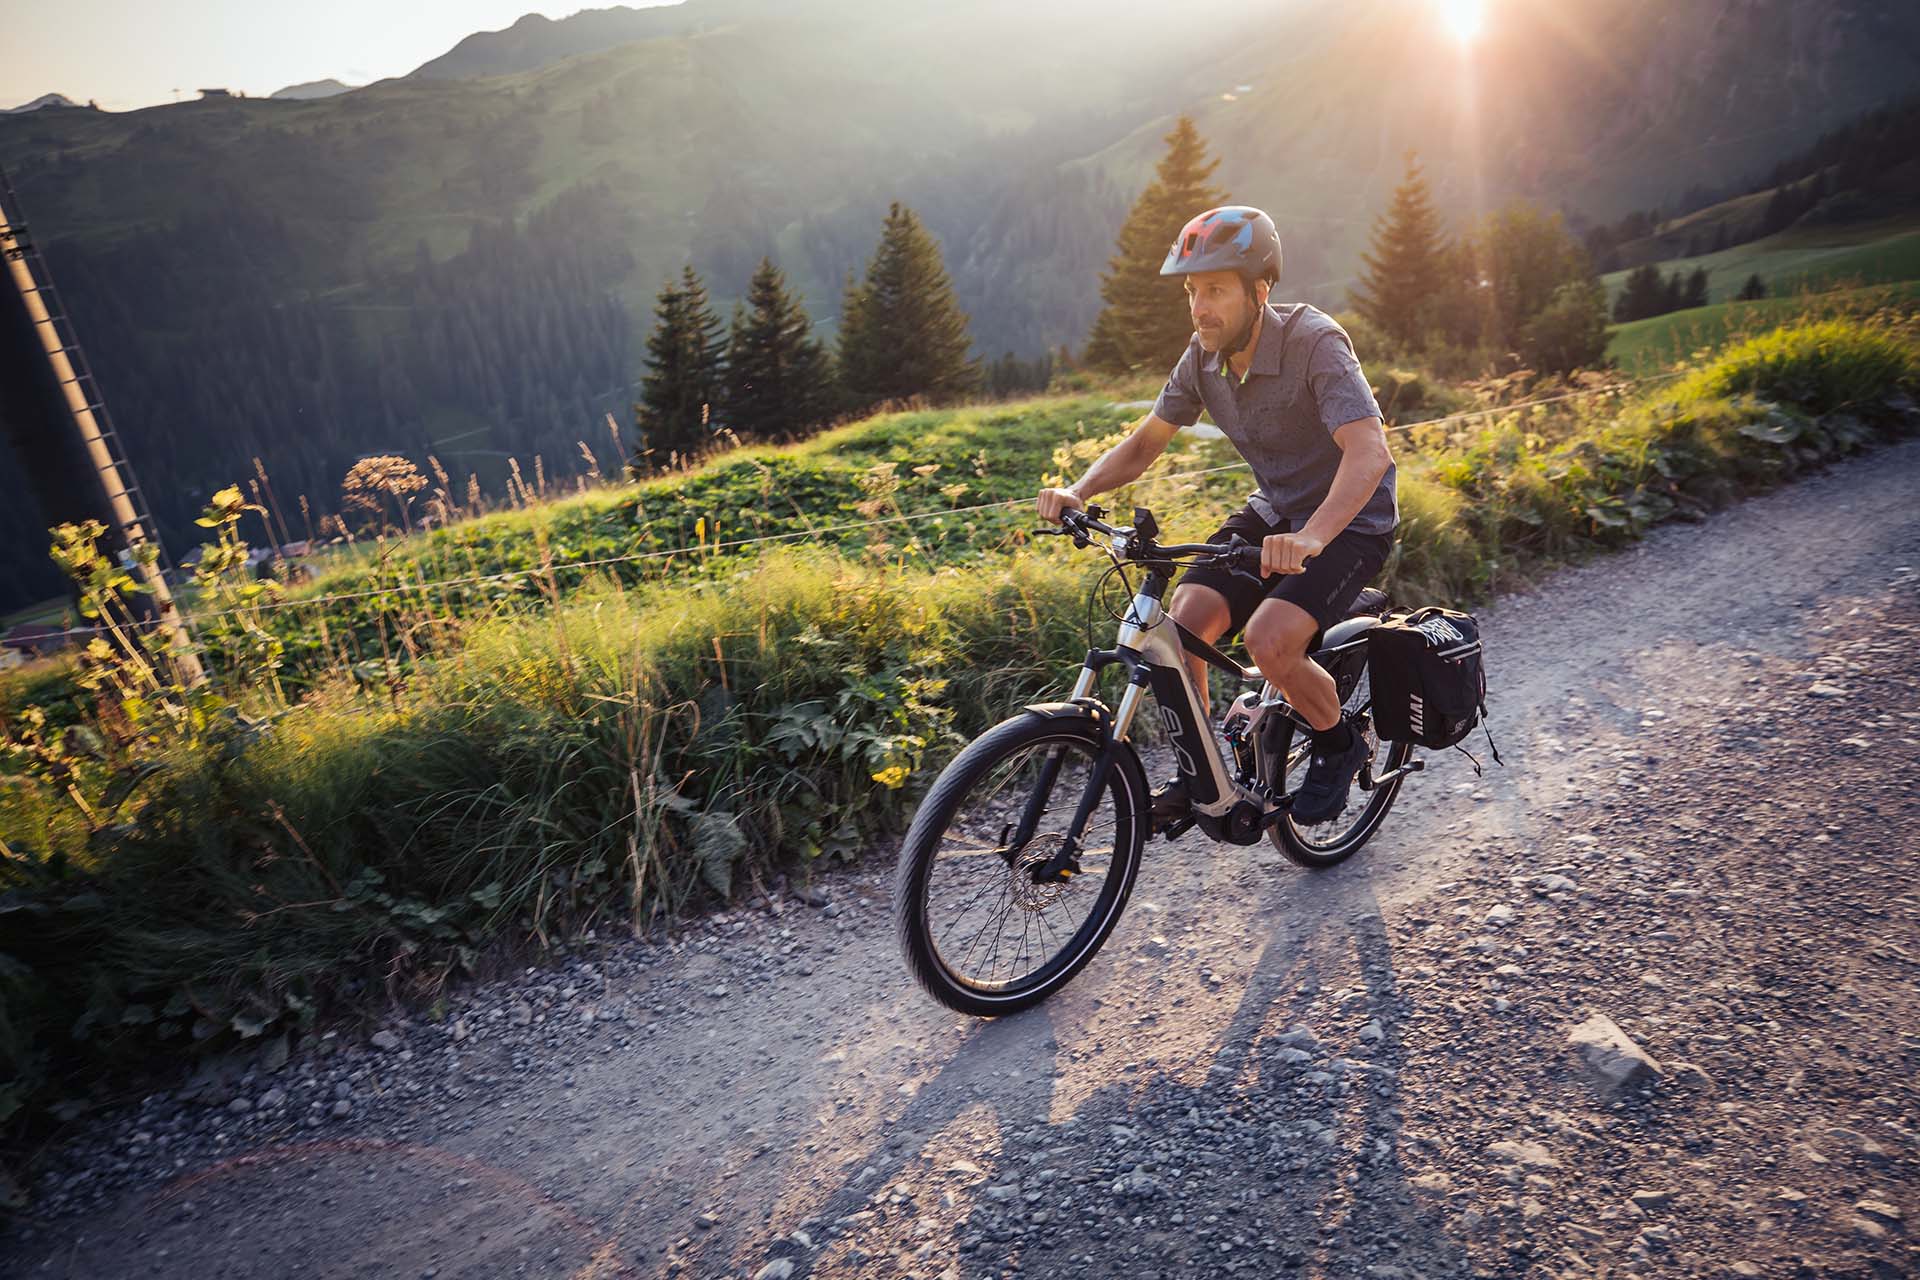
<point x="84" y="422"/>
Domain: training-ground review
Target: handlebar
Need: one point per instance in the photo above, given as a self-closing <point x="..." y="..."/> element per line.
<point x="1137" y="542"/>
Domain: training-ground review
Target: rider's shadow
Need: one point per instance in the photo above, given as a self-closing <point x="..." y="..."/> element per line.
<point x="1282" y="1178"/>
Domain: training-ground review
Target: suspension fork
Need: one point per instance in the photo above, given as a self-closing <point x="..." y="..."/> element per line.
<point x="1065" y="861"/>
<point x="1050" y="773"/>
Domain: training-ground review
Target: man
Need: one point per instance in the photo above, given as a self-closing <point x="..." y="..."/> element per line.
<point x="1283" y="384"/>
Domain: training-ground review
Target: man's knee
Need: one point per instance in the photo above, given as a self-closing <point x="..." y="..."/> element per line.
<point x="1278" y="635"/>
<point x="1201" y="610"/>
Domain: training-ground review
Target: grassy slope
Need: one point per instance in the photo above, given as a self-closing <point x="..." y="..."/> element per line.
<point x="630" y="749"/>
<point x="1865" y="253"/>
<point x="1645" y="346"/>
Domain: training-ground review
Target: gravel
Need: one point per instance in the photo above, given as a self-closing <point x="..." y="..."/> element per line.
<point x="1703" y="840"/>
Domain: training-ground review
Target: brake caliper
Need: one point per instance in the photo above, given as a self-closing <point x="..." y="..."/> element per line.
<point x="1058" y="869"/>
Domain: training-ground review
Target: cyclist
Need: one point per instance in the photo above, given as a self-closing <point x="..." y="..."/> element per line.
<point x="1283" y="384"/>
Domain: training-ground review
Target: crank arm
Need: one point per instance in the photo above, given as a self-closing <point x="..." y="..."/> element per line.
<point x="1411" y="766"/>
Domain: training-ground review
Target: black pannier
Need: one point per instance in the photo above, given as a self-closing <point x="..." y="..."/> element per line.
<point x="1429" y="683"/>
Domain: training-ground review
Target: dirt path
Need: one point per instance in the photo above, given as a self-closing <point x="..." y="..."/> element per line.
<point x="1707" y="830"/>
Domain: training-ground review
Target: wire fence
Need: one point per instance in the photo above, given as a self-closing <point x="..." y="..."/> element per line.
<point x="708" y="548"/>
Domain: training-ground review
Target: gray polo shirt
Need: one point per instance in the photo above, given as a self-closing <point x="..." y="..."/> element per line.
<point x="1302" y="383"/>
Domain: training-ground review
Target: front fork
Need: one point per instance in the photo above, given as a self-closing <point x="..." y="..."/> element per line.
<point x="1065" y="863"/>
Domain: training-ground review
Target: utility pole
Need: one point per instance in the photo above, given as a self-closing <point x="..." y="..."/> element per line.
<point x="27" y="276"/>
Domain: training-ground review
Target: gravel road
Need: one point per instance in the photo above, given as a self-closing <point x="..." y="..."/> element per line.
<point x="1706" y="834"/>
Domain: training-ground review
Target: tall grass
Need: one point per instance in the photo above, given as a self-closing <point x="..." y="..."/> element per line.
<point x="611" y="753"/>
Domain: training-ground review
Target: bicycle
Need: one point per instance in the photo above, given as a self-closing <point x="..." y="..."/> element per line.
<point x="987" y="831"/>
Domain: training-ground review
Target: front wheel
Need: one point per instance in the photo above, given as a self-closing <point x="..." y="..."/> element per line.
<point x="976" y="929"/>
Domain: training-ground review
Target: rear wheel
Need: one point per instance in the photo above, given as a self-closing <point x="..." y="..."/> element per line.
<point x="1282" y="764"/>
<point x="975" y="928"/>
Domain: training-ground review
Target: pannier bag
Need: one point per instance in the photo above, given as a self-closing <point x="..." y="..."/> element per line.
<point x="1429" y="682"/>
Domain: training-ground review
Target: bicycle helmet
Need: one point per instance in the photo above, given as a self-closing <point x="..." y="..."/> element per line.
<point x="1234" y="237"/>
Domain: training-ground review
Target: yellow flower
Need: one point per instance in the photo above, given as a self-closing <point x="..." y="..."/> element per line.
<point x="891" y="776"/>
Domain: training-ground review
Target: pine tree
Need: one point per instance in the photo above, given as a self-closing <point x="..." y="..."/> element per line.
<point x="1643" y="295"/>
<point x="902" y="333"/>
<point x="778" y="380"/>
<point x="683" y="370"/>
<point x="1696" y="295"/>
<point x="1404" y="265"/>
<point x="1754" y="287"/>
<point x="1145" y="322"/>
<point x="1674" y="293"/>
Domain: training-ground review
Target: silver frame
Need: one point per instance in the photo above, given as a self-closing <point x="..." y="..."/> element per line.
<point x="1148" y="629"/>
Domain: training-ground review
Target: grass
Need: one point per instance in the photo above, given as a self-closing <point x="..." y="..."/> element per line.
<point x="1643" y="347"/>
<point x="529" y="765"/>
<point x="1805" y="258"/>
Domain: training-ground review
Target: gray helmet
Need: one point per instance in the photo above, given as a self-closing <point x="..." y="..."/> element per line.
<point x="1234" y="237"/>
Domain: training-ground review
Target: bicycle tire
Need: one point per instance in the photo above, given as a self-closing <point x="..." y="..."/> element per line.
<point x="1343" y="842"/>
<point x="1126" y="788"/>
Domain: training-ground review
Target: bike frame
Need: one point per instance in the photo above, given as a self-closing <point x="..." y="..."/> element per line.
<point x="1149" y="644"/>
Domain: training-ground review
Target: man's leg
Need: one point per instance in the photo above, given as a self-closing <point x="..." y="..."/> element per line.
<point x="1277" y="636"/>
<point x="1278" y="633"/>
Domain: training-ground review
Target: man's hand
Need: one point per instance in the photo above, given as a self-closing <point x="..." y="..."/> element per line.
<point x="1287" y="552"/>
<point x="1052" y="502"/>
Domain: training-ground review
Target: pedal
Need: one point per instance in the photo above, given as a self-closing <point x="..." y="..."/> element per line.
<point x="1411" y="766"/>
<point x="1178" y="828"/>
<point x="1274" y="815"/>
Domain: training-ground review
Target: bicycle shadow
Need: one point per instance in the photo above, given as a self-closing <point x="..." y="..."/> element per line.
<point x="1306" y="1125"/>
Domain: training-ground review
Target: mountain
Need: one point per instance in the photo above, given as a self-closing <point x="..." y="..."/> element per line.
<point x="463" y="260"/>
<point x="1591" y="107"/>
<point x="310" y="90"/>
<point x="44" y="100"/>
<point x="536" y="40"/>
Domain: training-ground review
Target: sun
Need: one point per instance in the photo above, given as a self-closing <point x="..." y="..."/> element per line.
<point x="1462" y="18"/>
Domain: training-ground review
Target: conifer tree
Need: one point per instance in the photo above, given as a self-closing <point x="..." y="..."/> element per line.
<point x="1405" y="265"/>
<point x="901" y="331"/>
<point x="1145" y="321"/>
<point x="682" y="380"/>
<point x="1643" y="295"/>
<point x="1754" y="287"/>
<point x="778" y="381"/>
<point x="1675" y="290"/>
<point x="1696" y="292"/>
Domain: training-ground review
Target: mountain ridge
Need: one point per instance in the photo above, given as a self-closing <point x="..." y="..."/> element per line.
<point x="252" y="272"/>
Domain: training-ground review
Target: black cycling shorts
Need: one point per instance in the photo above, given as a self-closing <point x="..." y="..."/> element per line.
<point x="1325" y="588"/>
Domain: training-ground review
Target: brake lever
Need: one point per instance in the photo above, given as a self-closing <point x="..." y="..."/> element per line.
<point x="1237" y="545"/>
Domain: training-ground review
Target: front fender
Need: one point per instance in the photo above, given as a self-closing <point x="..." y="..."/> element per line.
<point x="1078" y="709"/>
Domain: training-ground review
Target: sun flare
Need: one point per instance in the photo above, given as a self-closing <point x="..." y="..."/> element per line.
<point x="1462" y="18"/>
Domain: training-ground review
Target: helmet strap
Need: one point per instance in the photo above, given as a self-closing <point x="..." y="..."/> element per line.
<point x="1238" y="342"/>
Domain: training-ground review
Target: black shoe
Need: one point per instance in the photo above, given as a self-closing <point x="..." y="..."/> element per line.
<point x="1170" y="802"/>
<point x="1323" y="794"/>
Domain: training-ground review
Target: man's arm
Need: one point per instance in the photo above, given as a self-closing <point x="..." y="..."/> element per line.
<point x="1364" y="459"/>
<point x="1126" y="462"/>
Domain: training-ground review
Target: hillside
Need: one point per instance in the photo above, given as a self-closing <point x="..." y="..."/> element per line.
<point x="1807" y="257"/>
<point x="311" y="89"/>
<point x="463" y="261"/>
<point x="43" y="101"/>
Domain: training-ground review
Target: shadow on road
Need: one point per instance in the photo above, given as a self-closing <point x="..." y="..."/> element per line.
<point x="1305" y="1161"/>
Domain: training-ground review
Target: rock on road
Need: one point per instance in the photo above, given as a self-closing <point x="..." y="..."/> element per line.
<point x="1703" y="843"/>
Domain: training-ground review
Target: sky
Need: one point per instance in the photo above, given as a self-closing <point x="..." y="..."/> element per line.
<point x="126" y="54"/>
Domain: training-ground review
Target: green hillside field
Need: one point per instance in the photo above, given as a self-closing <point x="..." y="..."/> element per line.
<point x="1645" y="346"/>
<point x="1805" y="258"/>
